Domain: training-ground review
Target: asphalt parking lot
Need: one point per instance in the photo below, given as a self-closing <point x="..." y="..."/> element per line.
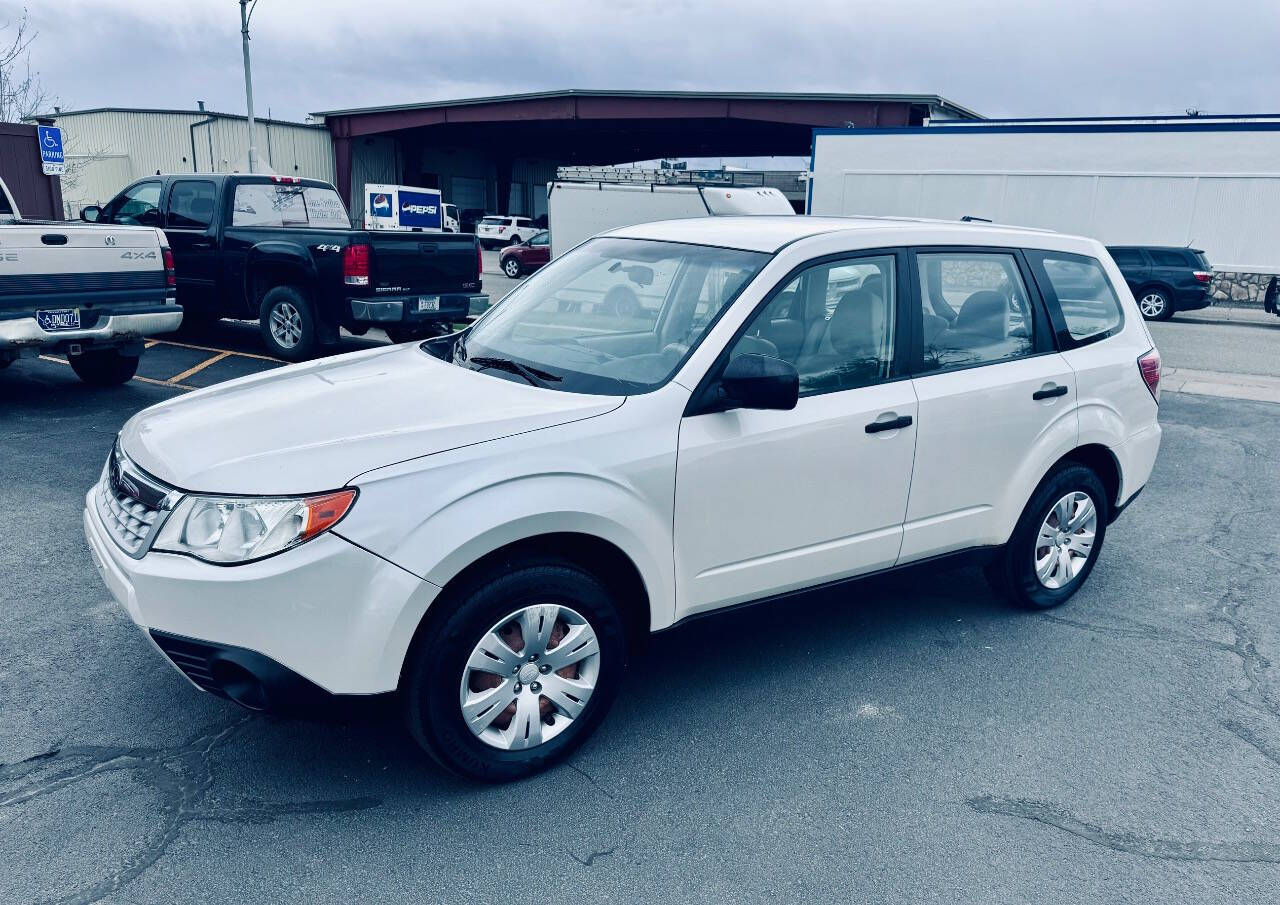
<point x="909" y="739"/>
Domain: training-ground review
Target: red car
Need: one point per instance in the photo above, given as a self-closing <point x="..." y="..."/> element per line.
<point x="517" y="260"/>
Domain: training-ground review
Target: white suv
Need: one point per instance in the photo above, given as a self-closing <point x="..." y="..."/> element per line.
<point x="491" y="521"/>
<point x="496" y="231"/>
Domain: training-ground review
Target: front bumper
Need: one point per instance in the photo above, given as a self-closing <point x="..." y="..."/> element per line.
<point x="454" y="306"/>
<point x="24" y="331"/>
<point x="329" y="611"/>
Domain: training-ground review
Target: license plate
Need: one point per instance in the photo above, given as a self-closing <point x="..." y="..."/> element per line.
<point x="428" y="303"/>
<point x="55" y="319"/>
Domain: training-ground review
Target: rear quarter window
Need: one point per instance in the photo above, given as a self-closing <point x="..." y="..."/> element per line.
<point x="1084" y="295"/>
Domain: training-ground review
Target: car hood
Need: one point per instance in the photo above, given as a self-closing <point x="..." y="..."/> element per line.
<point x="318" y="425"/>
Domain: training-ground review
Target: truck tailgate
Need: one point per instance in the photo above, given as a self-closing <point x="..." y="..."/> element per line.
<point x="68" y="265"/>
<point x="409" y="262"/>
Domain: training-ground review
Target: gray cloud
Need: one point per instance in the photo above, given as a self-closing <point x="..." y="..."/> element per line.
<point x="1000" y="57"/>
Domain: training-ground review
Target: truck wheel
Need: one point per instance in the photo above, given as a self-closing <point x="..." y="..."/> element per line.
<point x="288" y="323"/>
<point x="104" y="367"/>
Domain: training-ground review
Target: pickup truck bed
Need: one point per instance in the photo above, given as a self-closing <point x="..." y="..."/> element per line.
<point x="90" y="292"/>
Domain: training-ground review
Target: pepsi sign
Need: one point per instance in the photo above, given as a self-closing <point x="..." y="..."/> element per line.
<point x="420" y="210"/>
<point x="380" y="204"/>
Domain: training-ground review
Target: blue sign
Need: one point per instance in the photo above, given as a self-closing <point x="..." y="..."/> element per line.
<point x="420" y="210"/>
<point x="52" y="160"/>
<point x="380" y="204"/>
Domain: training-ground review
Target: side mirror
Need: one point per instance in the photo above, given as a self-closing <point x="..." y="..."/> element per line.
<point x="90" y="213"/>
<point x="760" y="382"/>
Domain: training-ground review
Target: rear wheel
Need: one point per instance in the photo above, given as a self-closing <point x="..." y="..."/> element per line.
<point x="104" y="367"/>
<point x="1056" y="542"/>
<point x="511" y="266"/>
<point x="521" y="670"/>
<point x="287" y="323"/>
<point x="1154" y="305"/>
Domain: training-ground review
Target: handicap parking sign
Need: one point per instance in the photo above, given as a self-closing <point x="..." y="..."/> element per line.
<point x="52" y="160"/>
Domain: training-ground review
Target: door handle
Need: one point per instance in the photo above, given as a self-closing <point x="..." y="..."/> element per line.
<point x="1050" y="392"/>
<point x="876" y="427"/>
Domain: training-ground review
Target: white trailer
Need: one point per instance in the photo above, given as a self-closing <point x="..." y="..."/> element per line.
<point x="578" y="210"/>
<point x="1213" y="184"/>
<point x="407" y="208"/>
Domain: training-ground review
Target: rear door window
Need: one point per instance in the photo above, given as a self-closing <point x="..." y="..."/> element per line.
<point x="191" y="204"/>
<point x="975" y="310"/>
<point x="1085" y="297"/>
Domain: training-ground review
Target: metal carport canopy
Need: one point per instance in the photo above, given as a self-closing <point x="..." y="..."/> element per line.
<point x="588" y="127"/>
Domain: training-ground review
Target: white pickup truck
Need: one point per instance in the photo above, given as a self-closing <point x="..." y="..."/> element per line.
<point x="85" y="291"/>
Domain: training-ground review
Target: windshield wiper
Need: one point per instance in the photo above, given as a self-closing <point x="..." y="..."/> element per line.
<point x="535" y="376"/>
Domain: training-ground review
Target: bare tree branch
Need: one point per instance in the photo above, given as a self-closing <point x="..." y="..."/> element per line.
<point x="22" y="95"/>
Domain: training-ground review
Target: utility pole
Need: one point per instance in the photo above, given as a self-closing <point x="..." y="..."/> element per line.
<point x="246" y="13"/>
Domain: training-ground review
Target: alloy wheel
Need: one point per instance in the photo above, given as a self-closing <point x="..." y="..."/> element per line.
<point x="1152" y="304"/>
<point x="286" y="325"/>
<point x="1066" y="539"/>
<point x="529" y="677"/>
<point x="512" y="267"/>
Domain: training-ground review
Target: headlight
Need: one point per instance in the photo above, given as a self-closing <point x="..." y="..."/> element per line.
<point x="230" y="530"/>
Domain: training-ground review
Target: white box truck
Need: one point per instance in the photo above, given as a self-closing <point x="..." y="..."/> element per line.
<point x="578" y="209"/>
<point x="408" y="208"/>
<point x="1209" y="182"/>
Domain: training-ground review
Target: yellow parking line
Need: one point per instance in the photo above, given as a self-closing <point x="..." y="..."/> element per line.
<point x="152" y="380"/>
<point x="198" y="368"/>
<point x="170" y="342"/>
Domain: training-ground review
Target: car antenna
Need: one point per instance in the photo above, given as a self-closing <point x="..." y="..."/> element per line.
<point x="970" y="218"/>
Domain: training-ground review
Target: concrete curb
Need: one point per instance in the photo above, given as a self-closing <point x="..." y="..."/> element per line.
<point x="1255" y="387"/>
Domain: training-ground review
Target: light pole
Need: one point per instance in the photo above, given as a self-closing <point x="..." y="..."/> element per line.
<point x="246" y="13"/>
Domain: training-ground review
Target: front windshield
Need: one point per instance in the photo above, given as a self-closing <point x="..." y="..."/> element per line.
<point x="613" y="316"/>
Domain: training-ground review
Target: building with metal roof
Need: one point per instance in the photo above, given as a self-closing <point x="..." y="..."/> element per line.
<point x="498" y="153"/>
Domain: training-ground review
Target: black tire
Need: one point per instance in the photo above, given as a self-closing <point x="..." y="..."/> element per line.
<point x="286" y="301"/>
<point x="435" y="666"/>
<point x="104" y="367"/>
<point x="1013" y="572"/>
<point x="1156" y="301"/>
<point x="511" y="267"/>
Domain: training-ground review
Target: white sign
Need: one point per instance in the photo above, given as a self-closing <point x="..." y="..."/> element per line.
<point x="52" y="161"/>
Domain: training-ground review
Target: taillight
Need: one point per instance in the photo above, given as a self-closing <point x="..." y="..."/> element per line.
<point x="1149" y="365"/>
<point x="355" y="265"/>
<point x="1203" y="276"/>
<point x="170" y="275"/>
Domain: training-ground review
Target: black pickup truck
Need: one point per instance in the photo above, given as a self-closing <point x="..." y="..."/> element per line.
<point x="281" y="250"/>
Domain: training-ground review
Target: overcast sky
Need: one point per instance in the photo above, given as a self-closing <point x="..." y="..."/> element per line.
<point x="999" y="57"/>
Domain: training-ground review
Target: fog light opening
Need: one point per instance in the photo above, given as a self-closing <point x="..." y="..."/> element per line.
<point x="240" y="685"/>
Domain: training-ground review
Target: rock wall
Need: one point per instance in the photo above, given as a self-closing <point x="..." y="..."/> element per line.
<point x="1245" y="290"/>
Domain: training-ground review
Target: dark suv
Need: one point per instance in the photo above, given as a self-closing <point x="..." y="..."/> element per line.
<point x="1164" y="279"/>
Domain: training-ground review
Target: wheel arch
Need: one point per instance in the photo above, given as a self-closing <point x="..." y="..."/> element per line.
<point x="594" y="554"/>
<point x="1101" y="461"/>
<point x="270" y="267"/>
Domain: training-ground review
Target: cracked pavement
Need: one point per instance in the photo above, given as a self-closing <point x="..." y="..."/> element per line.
<point x="906" y="739"/>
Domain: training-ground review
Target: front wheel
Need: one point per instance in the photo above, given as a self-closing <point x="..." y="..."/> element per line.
<point x="1056" y="542"/>
<point x="287" y="323"/>
<point x="511" y="267"/>
<point x="1155" y="305"/>
<point x="104" y="367"/>
<point x="518" y="674"/>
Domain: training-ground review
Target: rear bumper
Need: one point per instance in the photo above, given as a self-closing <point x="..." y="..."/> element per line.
<point x="454" y="306"/>
<point x="1192" y="299"/>
<point x="24" y="331"/>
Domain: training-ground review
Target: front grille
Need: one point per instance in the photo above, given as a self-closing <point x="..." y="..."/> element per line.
<point x="192" y="657"/>
<point x="132" y="504"/>
<point x="129" y="521"/>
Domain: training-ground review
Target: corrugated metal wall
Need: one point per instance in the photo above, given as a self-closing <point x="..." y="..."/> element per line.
<point x="373" y="160"/>
<point x="107" y="150"/>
